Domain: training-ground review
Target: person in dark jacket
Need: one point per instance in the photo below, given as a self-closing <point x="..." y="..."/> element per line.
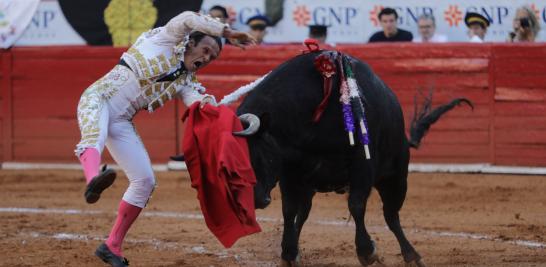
<point x="390" y="33"/>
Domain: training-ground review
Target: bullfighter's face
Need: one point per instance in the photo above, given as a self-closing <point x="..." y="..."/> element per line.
<point x="199" y="55"/>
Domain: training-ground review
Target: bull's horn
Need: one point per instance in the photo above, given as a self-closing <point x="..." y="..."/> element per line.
<point x="253" y="124"/>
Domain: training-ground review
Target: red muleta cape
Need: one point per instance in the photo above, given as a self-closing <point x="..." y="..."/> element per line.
<point x="220" y="170"/>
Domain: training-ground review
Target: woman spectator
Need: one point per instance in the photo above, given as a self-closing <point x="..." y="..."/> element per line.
<point x="526" y="26"/>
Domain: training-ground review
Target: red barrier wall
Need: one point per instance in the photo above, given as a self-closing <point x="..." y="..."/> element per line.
<point x="40" y="89"/>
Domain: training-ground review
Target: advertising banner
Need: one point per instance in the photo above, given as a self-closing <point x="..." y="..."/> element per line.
<point x="49" y="27"/>
<point x="354" y="21"/>
<point x="348" y="21"/>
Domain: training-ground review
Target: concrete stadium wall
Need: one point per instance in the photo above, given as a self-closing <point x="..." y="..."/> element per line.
<point x="40" y="89"/>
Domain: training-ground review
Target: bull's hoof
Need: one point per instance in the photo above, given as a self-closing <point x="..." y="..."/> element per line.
<point x="293" y="263"/>
<point x="369" y="260"/>
<point x="416" y="263"/>
<point x="412" y="258"/>
<point x="289" y="263"/>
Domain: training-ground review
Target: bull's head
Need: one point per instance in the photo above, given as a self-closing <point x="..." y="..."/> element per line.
<point x="264" y="155"/>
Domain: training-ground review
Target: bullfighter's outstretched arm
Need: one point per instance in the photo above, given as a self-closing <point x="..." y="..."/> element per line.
<point x="188" y="21"/>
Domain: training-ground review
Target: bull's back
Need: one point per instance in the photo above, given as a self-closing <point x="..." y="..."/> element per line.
<point x="289" y="96"/>
<point x="292" y="92"/>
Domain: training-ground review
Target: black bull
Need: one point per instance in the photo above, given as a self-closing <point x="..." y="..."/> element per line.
<point x="307" y="157"/>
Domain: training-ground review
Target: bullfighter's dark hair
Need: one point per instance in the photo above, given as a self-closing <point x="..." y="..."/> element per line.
<point x="387" y="11"/>
<point x="197" y="36"/>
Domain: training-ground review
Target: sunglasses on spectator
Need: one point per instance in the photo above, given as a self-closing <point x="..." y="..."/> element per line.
<point x="258" y="27"/>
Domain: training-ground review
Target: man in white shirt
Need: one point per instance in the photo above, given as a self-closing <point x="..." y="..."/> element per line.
<point x="427" y="30"/>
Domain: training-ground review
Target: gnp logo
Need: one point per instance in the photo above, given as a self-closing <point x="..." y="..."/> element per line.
<point x="43" y="18"/>
<point x="453" y="15"/>
<point x="502" y="14"/>
<point x="324" y="15"/>
<point x="407" y="15"/>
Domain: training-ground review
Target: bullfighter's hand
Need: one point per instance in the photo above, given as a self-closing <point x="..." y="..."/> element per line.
<point x="208" y="100"/>
<point x="239" y="39"/>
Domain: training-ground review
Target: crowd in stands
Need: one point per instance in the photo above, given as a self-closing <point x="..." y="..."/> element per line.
<point x="525" y="27"/>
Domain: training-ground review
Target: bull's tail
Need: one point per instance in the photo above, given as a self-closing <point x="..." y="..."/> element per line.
<point x="424" y="117"/>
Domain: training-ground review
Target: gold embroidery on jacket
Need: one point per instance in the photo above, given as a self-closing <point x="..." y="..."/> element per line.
<point x="155" y="66"/>
<point x="141" y="61"/>
<point x="173" y="60"/>
<point x="143" y="83"/>
<point x="92" y="102"/>
<point x="164" y="64"/>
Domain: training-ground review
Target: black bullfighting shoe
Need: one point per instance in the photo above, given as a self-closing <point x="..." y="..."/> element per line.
<point x="104" y="253"/>
<point x="177" y="158"/>
<point x="100" y="182"/>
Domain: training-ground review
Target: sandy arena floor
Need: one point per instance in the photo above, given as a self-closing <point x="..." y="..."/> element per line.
<point x="452" y="219"/>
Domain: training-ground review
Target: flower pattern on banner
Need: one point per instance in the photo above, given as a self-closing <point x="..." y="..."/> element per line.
<point x="301" y="15"/>
<point x="453" y="15"/>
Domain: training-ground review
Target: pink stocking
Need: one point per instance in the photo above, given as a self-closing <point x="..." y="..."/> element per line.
<point x="127" y="214"/>
<point x="90" y="160"/>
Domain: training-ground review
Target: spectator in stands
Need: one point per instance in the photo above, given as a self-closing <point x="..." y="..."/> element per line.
<point x="526" y="26"/>
<point x="427" y="30"/>
<point x="219" y="12"/>
<point x="477" y="26"/>
<point x="258" y="25"/>
<point x="390" y="33"/>
<point x="160" y="66"/>
<point x="318" y="32"/>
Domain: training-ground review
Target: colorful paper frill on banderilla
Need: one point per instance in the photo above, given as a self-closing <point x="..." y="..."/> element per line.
<point x="351" y="101"/>
<point x="353" y="108"/>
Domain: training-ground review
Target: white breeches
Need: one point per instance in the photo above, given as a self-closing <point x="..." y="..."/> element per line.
<point x="103" y="121"/>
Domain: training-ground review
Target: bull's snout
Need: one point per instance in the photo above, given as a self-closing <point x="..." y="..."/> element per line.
<point x="262" y="203"/>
